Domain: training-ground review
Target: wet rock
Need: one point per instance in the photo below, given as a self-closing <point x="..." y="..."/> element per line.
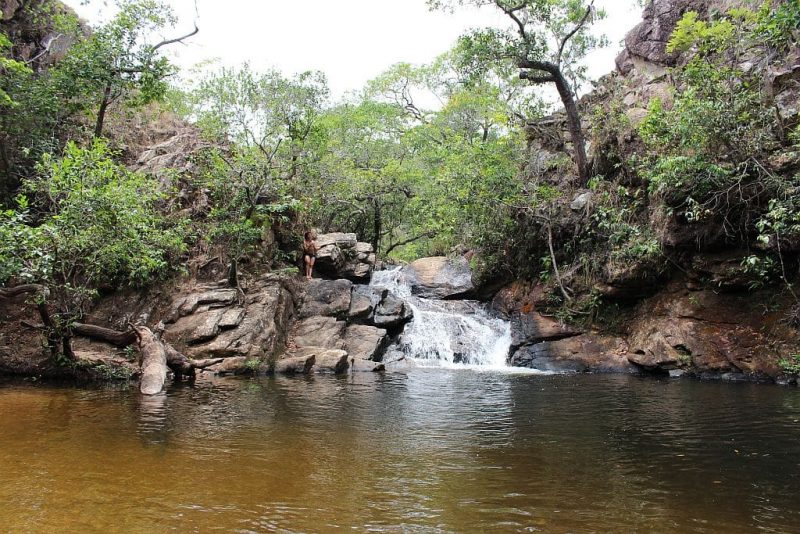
<point x="360" y="304"/>
<point x="300" y="365"/>
<point x="583" y="353"/>
<point x="391" y="311"/>
<point x="530" y="328"/>
<point x="231" y="366"/>
<point x="327" y="298"/>
<point x="364" y="342"/>
<point x="440" y="277"/>
<point x="324" y="332"/>
<point x="359" y="365"/>
<point x="326" y="360"/>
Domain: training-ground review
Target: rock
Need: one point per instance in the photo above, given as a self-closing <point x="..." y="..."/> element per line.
<point x="364" y="342"/>
<point x="440" y="277"/>
<point x="391" y="311"/>
<point x="326" y="360"/>
<point x="230" y="366"/>
<point x="208" y="329"/>
<point x="327" y="298"/>
<point x="648" y="40"/>
<point x="343" y="256"/>
<point x="300" y="365"/>
<point x="530" y="328"/>
<point x="231" y="318"/>
<point x="359" y="365"/>
<point x="255" y="331"/>
<point x="581" y="201"/>
<point x="189" y="304"/>
<point x="576" y="354"/>
<point x="324" y="332"/>
<point x="360" y="305"/>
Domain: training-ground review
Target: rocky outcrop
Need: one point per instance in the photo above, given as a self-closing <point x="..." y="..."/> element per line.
<point x="584" y="353"/>
<point x="647" y="41"/>
<point x="343" y="256"/>
<point x="709" y="333"/>
<point x="440" y="277"/>
<point x="211" y="321"/>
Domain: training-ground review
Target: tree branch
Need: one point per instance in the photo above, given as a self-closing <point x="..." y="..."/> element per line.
<point x="176" y="40"/>
<point x="429" y="233"/>
<point x="574" y="31"/>
<point x="536" y="80"/>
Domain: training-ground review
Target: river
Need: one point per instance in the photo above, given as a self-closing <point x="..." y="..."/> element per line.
<point x="423" y="450"/>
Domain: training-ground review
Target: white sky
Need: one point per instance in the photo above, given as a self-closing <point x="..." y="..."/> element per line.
<point x="351" y="41"/>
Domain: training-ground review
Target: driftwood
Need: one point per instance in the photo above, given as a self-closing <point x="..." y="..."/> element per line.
<point x="154" y="361"/>
<point x="114" y="337"/>
<point x="183" y="366"/>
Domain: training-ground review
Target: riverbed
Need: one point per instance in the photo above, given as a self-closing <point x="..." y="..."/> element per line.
<point x="424" y="450"/>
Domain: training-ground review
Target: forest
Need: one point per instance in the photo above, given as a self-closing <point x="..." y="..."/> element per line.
<point x="445" y="158"/>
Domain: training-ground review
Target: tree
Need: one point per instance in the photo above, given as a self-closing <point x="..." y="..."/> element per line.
<point x="117" y="61"/>
<point x="547" y="41"/>
<point x="266" y="119"/>
<point x="90" y="224"/>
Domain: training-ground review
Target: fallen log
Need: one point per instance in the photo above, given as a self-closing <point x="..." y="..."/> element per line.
<point x="183" y="366"/>
<point x="114" y="337"/>
<point x="154" y="361"/>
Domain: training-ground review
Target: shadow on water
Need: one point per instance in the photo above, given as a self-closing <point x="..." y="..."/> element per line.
<point x="433" y="450"/>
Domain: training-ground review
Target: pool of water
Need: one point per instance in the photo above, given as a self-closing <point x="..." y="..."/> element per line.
<point x="427" y="450"/>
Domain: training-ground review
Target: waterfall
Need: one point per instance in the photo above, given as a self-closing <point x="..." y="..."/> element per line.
<point x="447" y="333"/>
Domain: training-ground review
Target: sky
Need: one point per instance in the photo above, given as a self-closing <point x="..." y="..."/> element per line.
<point x="351" y="41"/>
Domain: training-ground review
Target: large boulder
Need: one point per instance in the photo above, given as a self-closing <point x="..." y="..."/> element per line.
<point x="391" y="311"/>
<point x="213" y="322"/>
<point x="647" y="41"/>
<point x="364" y="342"/>
<point x="341" y="255"/>
<point x="327" y="298"/>
<point x="440" y="277"/>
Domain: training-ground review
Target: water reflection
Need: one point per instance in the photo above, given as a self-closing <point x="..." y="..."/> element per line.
<point x="427" y="450"/>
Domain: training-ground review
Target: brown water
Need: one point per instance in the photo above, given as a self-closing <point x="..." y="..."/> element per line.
<point x="426" y="451"/>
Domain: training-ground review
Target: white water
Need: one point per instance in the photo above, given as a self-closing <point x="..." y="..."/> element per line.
<point x="457" y="334"/>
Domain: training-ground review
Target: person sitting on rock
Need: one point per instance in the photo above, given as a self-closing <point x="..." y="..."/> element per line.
<point x="309" y="253"/>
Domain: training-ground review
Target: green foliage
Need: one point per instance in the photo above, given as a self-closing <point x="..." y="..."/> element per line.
<point x="790" y="365"/>
<point x="9" y="68"/>
<point x="96" y="225"/>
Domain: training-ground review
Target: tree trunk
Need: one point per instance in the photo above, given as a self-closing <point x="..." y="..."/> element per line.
<point x="377" y="225"/>
<point x="574" y="124"/>
<point x="233" y="274"/>
<point x="101" y="113"/>
<point x="552" y="73"/>
<point x="107" y="335"/>
<point x="154" y="361"/>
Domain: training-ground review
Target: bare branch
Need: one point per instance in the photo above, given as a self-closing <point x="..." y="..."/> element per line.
<point x="176" y="40"/>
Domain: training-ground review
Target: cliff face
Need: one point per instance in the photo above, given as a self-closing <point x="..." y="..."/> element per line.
<point x="691" y="308"/>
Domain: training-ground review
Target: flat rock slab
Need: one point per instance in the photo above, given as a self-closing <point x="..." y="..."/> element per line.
<point x="440" y="277"/>
<point x="324" y="332"/>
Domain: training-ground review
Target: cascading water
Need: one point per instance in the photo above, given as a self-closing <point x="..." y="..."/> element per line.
<point x="447" y="332"/>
